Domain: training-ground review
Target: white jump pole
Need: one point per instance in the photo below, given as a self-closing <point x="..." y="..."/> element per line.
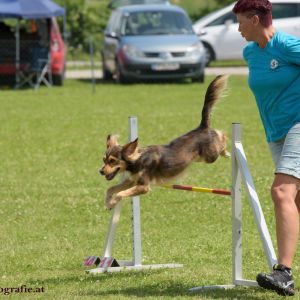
<point x="241" y="162"/>
<point x="136" y="263"/>
<point x="241" y="172"/>
<point x="135" y="204"/>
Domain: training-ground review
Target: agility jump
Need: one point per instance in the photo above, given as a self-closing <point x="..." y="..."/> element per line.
<point x="240" y="173"/>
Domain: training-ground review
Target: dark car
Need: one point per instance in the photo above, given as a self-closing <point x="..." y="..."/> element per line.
<point x="151" y="42"/>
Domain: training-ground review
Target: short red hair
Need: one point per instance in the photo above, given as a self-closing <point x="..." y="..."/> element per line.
<point x="262" y="8"/>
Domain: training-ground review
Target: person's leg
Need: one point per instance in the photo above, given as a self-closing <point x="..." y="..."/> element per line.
<point x="284" y="193"/>
<point x="286" y="199"/>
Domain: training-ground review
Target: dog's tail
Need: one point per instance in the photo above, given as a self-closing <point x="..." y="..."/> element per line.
<point x="213" y="94"/>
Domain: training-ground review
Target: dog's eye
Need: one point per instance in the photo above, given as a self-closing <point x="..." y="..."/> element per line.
<point x="112" y="161"/>
<point x="104" y="159"/>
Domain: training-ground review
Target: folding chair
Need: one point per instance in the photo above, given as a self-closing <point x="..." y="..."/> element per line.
<point x="40" y="68"/>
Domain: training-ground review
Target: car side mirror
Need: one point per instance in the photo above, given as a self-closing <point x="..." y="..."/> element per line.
<point x="112" y="35"/>
<point x="228" y="22"/>
<point x="202" y="32"/>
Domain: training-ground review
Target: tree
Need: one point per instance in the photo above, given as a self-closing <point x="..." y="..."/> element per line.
<point x="84" y="19"/>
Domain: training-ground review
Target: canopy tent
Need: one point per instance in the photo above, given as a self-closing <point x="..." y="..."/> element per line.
<point x="27" y="9"/>
<point x="30" y="9"/>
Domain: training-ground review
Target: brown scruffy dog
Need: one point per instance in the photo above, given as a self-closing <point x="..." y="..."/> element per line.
<point x="160" y="163"/>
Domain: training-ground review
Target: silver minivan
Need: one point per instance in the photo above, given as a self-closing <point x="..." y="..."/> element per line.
<point x="219" y="30"/>
<point x="151" y="42"/>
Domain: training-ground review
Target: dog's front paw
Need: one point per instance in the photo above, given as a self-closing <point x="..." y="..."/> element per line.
<point x="112" y="201"/>
<point x="108" y="197"/>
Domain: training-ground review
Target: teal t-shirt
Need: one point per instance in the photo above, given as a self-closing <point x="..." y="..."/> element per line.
<point x="274" y="78"/>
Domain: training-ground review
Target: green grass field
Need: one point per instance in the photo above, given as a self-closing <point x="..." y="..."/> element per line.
<point x="52" y="197"/>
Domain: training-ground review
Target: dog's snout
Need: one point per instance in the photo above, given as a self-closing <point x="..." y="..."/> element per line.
<point x="101" y="171"/>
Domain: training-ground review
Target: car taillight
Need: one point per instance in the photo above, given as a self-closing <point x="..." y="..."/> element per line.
<point x="55" y="46"/>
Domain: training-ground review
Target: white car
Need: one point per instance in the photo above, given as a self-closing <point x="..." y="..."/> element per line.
<point x="219" y="30"/>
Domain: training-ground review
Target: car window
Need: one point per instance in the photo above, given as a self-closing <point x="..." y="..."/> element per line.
<point x="116" y="27"/>
<point x="110" y="22"/>
<point x="113" y="25"/>
<point x="222" y="19"/>
<point x="285" y="10"/>
<point x="156" y="22"/>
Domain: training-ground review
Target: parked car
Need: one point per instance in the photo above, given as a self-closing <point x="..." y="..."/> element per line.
<point x="42" y="33"/>
<point x="113" y="4"/>
<point x="151" y="42"/>
<point x="219" y="30"/>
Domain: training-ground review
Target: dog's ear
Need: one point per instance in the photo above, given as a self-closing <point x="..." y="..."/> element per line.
<point x="129" y="150"/>
<point x="111" y="140"/>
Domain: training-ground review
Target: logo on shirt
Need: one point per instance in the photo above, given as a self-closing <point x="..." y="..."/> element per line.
<point x="273" y="64"/>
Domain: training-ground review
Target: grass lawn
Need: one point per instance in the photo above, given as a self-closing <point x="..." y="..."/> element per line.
<point x="52" y="197"/>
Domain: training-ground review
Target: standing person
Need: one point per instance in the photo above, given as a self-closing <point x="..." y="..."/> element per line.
<point x="273" y="58"/>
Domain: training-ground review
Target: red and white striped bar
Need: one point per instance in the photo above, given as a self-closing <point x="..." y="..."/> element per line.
<point x="197" y="189"/>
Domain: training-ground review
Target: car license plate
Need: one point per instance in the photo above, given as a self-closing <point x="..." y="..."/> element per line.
<point x="165" y="66"/>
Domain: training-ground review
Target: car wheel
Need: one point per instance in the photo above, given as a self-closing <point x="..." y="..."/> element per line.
<point x="58" y="79"/>
<point x="107" y="75"/>
<point x="199" y="78"/>
<point x="209" y="54"/>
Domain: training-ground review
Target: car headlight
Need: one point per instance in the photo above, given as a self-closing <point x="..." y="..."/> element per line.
<point x="133" y="52"/>
<point x="194" y="50"/>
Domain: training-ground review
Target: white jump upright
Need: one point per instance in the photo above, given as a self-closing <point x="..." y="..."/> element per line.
<point x="241" y="173"/>
<point x="109" y="264"/>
